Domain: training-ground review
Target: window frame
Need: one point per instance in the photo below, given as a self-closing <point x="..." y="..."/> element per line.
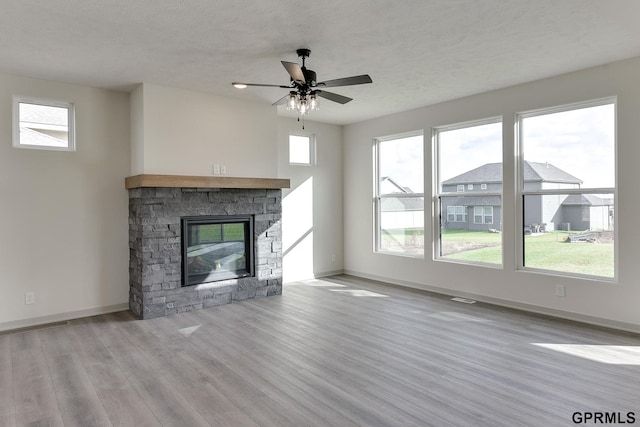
<point x="437" y="194"/>
<point x="521" y="193"/>
<point x="71" y="132"/>
<point x="378" y="197"/>
<point x="312" y="148"/>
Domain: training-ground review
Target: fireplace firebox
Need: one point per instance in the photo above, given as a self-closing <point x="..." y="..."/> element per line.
<point x="216" y="248"/>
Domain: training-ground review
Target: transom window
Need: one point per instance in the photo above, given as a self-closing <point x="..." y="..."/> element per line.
<point x="43" y="124"/>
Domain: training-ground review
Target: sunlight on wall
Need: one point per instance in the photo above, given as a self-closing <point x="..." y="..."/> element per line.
<point x="609" y="354"/>
<point x="297" y="233"/>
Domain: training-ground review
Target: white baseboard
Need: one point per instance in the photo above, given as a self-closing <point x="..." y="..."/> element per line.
<point x="43" y="320"/>
<point x="321" y="274"/>
<point x="566" y="315"/>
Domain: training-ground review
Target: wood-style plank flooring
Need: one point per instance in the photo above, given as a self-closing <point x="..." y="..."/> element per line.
<point x="336" y="352"/>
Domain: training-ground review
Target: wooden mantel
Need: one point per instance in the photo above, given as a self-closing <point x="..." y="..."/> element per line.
<point x="186" y="181"/>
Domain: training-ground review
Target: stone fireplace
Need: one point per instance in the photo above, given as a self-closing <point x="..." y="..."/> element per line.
<point x="161" y="207"/>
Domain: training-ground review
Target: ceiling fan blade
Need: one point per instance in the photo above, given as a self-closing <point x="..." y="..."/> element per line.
<point x="295" y="71"/>
<point x="333" y="96"/>
<point x="282" y="100"/>
<point x="259" y="84"/>
<point x="347" y="81"/>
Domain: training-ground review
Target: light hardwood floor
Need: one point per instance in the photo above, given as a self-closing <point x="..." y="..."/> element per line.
<point x="336" y="352"/>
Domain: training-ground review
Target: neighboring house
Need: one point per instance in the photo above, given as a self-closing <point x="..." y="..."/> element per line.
<point x="472" y="210"/>
<point x="43" y="125"/>
<point x="400" y="212"/>
<point x="587" y="212"/>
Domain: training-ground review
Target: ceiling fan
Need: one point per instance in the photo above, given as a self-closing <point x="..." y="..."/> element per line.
<point x="304" y="90"/>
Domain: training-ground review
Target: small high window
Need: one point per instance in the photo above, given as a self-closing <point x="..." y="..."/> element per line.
<point x="301" y="150"/>
<point x="43" y="124"/>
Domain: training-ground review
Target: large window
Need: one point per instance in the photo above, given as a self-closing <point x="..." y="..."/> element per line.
<point x="43" y="124"/>
<point x="399" y="195"/>
<point x="567" y="175"/>
<point x="468" y="164"/>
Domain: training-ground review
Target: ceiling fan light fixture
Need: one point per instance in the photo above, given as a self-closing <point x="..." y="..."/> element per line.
<point x="303" y="108"/>
<point x="292" y="102"/>
<point x="313" y="102"/>
<point x="304" y="89"/>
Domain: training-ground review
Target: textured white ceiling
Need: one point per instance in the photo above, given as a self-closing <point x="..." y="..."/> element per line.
<point x="418" y="52"/>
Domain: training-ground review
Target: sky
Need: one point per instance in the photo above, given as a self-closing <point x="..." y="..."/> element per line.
<point x="581" y="142"/>
<point x="402" y="160"/>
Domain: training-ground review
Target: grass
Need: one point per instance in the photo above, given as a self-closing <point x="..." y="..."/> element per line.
<point x="547" y="251"/>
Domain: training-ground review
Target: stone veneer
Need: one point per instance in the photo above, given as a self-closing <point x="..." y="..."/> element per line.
<point x="155" y="256"/>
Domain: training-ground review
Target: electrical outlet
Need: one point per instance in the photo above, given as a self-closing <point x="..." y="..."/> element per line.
<point x="560" y="291"/>
<point x="30" y="297"/>
<point x="216" y="169"/>
<point x="223" y="169"/>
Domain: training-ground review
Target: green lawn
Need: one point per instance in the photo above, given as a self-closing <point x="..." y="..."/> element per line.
<point x="546" y="251"/>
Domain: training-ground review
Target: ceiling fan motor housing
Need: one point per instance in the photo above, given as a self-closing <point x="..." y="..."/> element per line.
<point x="309" y="76"/>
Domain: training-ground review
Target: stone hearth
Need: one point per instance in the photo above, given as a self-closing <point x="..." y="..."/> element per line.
<point x="155" y="260"/>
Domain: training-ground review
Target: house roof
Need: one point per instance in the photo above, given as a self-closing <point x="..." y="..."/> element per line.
<point x="39" y="115"/>
<point x="401" y="204"/>
<point x="533" y="172"/>
<point x="587" y="200"/>
<point x="394" y="183"/>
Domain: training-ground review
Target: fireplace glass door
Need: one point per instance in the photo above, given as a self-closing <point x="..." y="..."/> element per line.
<point x="216" y="248"/>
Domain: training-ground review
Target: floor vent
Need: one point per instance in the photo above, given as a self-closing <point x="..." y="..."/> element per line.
<point x="464" y="300"/>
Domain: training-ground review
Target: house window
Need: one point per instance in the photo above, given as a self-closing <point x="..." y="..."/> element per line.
<point x="466" y="156"/>
<point x="456" y="214"/>
<point x="483" y="214"/>
<point x="43" y="124"/>
<point x="399" y="195"/>
<point x="483" y="186"/>
<point x="301" y="150"/>
<point x="567" y="186"/>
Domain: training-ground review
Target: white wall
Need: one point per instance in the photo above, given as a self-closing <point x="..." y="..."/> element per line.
<point x="64" y="214"/>
<point x="186" y="133"/>
<point x="591" y="300"/>
<point x="312" y="207"/>
<point x="137" y="130"/>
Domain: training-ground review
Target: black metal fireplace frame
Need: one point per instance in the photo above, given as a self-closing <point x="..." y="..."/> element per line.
<point x="246" y="220"/>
